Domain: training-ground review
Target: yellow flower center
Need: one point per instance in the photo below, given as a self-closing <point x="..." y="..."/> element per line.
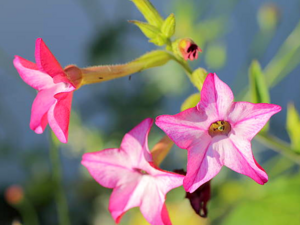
<point x="219" y="128"/>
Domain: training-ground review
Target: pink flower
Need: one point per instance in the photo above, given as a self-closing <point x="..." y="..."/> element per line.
<point x="218" y="132"/>
<point x="53" y="101"/>
<point x="129" y="170"/>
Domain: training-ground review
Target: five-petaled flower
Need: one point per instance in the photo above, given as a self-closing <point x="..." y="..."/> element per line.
<point x="218" y="132"/>
<point x="130" y="171"/>
<point x="53" y="101"/>
<point x="189" y="49"/>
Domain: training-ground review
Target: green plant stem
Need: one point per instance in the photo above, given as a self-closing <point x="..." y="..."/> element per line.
<point x="60" y="198"/>
<point x="279" y="146"/>
<point x="28" y="212"/>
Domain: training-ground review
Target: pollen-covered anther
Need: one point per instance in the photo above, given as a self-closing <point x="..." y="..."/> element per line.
<point x="143" y="172"/>
<point x="219" y="128"/>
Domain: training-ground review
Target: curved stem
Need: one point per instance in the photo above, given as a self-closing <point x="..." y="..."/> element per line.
<point x="279" y="146"/>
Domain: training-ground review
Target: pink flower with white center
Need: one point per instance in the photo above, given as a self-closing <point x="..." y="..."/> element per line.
<point x="53" y="101"/>
<point x="218" y="132"/>
<point x="136" y="182"/>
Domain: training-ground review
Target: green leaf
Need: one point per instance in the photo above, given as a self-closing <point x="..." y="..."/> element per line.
<point x="285" y="60"/>
<point x="190" y="102"/>
<point x="292" y="126"/>
<point x="258" y="86"/>
<point x="148" y="30"/>
<point x="168" y="26"/>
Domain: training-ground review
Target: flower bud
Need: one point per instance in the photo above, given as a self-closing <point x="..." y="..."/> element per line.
<point x="268" y="17"/>
<point x="198" y="77"/>
<point x="188" y="49"/>
<point x="168" y="26"/>
<point x="14" y="194"/>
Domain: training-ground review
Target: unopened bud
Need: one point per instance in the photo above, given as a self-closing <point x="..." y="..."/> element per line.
<point x="188" y="49"/>
<point x="198" y="77"/>
<point x="268" y="17"/>
<point x="168" y="26"/>
<point x="14" y="194"/>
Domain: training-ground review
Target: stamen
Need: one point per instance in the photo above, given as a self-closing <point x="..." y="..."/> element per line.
<point x="219" y="128"/>
<point x="143" y="172"/>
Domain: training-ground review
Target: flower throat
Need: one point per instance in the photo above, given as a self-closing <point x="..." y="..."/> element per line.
<point x="219" y="128"/>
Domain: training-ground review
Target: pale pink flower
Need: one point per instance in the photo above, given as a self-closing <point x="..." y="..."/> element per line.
<point x="136" y="182"/>
<point x="53" y="101"/>
<point x="218" y="132"/>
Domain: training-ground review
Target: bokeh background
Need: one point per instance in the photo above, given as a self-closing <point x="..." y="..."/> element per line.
<point x="95" y="32"/>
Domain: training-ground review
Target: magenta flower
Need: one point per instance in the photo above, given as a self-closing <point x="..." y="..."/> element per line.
<point x="53" y="101"/>
<point x="129" y="170"/>
<point x="218" y="132"/>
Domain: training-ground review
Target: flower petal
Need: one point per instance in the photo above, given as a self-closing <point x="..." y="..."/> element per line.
<point x="167" y="181"/>
<point x="247" y="119"/>
<point x="185" y="127"/>
<point x="59" y="115"/>
<point x="41" y="104"/>
<point x="126" y="196"/>
<point x="203" y="164"/>
<point x="45" y="60"/>
<point x="152" y="206"/>
<point x="135" y="143"/>
<point x="237" y="155"/>
<point x="109" y="167"/>
<point x="216" y="97"/>
<point x="31" y="75"/>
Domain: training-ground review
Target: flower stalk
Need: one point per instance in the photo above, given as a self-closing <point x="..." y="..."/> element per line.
<point x="60" y="198"/>
<point x="97" y="74"/>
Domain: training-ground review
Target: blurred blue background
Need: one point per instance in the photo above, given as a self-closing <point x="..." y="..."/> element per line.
<point x="96" y="32"/>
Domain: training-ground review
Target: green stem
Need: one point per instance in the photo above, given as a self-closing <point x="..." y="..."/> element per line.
<point x="279" y="146"/>
<point x="27" y="212"/>
<point x="60" y="198"/>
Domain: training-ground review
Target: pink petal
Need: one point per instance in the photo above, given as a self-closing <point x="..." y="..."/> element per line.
<point x="152" y="206"/>
<point x="59" y="115"/>
<point x="167" y="181"/>
<point x="29" y="73"/>
<point x="41" y="104"/>
<point x="237" y="155"/>
<point x="126" y="196"/>
<point x="135" y="143"/>
<point x="247" y="119"/>
<point x="46" y="61"/>
<point x="184" y="128"/>
<point x="216" y="98"/>
<point x="203" y="164"/>
<point x="109" y="167"/>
